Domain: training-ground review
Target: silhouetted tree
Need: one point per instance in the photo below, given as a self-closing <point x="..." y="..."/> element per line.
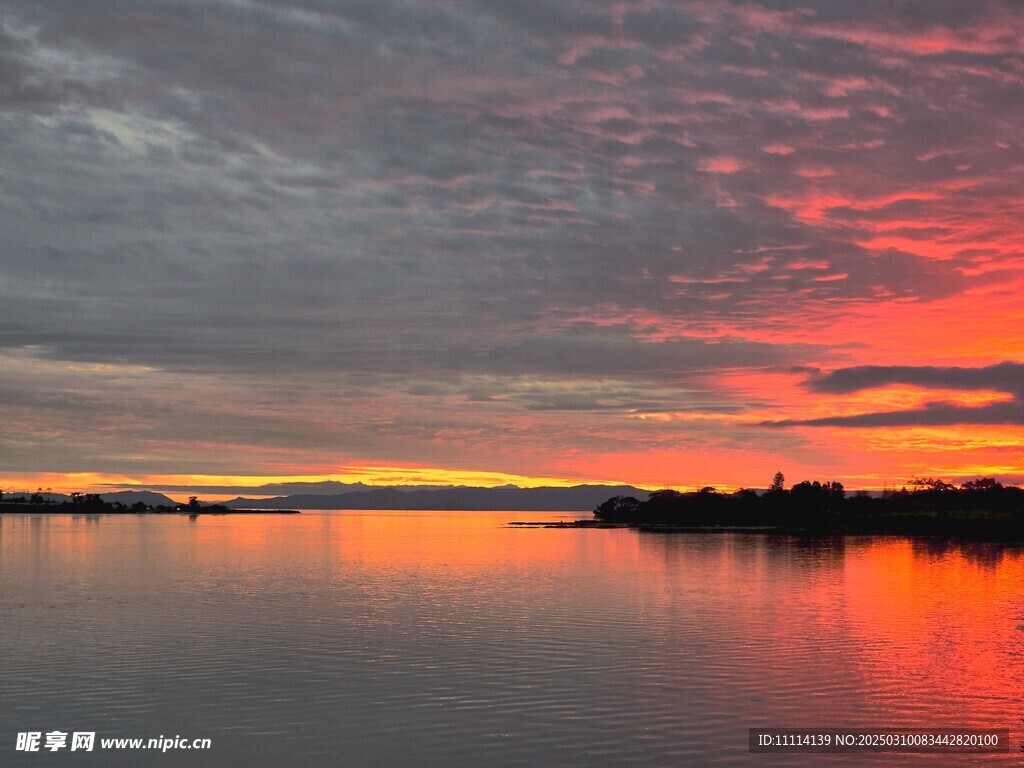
<point x="778" y="483"/>
<point x="193" y="502"/>
<point x="931" y="484"/>
<point x="806" y="489"/>
<point x="979" y="508"/>
<point x="835" y="489"/>
<point x="618" y="509"/>
<point x="981" y="484"/>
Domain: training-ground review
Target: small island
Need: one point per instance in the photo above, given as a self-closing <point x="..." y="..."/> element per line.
<point x="982" y="509"/>
<point x="94" y="504"/>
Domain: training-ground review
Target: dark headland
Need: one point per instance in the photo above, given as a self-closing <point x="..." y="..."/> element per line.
<point x="94" y="504"/>
<point x="982" y="509"/>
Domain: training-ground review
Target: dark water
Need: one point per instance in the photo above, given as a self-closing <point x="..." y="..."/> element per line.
<point x="449" y="639"/>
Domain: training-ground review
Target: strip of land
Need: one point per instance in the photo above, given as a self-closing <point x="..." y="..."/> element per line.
<point x="982" y="509"/>
<point x="90" y="504"/>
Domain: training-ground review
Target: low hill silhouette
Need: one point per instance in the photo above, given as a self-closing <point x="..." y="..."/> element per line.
<point x="982" y="508"/>
<point x="578" y="498"/>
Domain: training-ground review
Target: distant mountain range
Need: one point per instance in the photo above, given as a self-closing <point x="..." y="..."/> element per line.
<point x="318" y="488"/>
<point x="579" y="498"/>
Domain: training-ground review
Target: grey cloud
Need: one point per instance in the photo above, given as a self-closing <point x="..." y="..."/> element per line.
<point x="614" y="352"/>
<point x="911" y="13"/>
<point x="1003" y="377"/>
<point x="551" y="17"/>
<point x="931" y="415"/>
<point x="661" y="26"/>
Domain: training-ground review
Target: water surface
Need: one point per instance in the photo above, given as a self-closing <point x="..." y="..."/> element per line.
<point x="451" y="639"/>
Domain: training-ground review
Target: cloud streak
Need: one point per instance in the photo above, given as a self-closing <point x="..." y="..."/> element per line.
<point x="1005" y="377"/>
<point x="931" y="415"/>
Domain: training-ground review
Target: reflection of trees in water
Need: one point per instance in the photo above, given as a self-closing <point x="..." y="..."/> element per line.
<point x="828" y="551"/>
<point x="813" y="552"/>
<point x="804" y="553"/>
<point x="984" y="554"/>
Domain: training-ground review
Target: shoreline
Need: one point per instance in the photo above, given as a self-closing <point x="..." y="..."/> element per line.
<point x="981" y="535"/>
<point x="76" y="510"/>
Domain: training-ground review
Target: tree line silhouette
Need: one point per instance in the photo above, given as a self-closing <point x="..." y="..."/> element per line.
<point x="982" y="508"/>
<point x="93" y="503"/>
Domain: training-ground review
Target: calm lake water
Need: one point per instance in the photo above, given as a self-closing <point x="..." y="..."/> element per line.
<point x="451" y="639"/>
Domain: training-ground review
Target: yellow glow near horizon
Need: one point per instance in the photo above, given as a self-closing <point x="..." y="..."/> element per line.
<point x="92" y="482"/>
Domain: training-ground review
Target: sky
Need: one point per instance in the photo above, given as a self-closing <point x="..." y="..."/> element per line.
<point x="530" y="241"/>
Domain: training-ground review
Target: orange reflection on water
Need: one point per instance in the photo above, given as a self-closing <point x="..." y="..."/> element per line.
<point x="428" y="542"/>
<point x="865" y="632"/>
<point x="743" y="630"/>
<point x="475" y="541"/>
<point x="941" y="618"/>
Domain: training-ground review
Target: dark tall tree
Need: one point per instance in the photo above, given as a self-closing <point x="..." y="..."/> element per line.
<point x="931" y="484"/>
<point x="981" y="484"/>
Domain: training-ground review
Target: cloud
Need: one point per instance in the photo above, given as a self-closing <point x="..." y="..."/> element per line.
<point x="931" y="415"/>
<point x="1002" y="377"/>
<point x="539" y="211"/>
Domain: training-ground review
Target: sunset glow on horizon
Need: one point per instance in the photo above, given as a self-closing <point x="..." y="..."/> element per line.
<point x="461" y="242"/>
<point x="382" y="477"/>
